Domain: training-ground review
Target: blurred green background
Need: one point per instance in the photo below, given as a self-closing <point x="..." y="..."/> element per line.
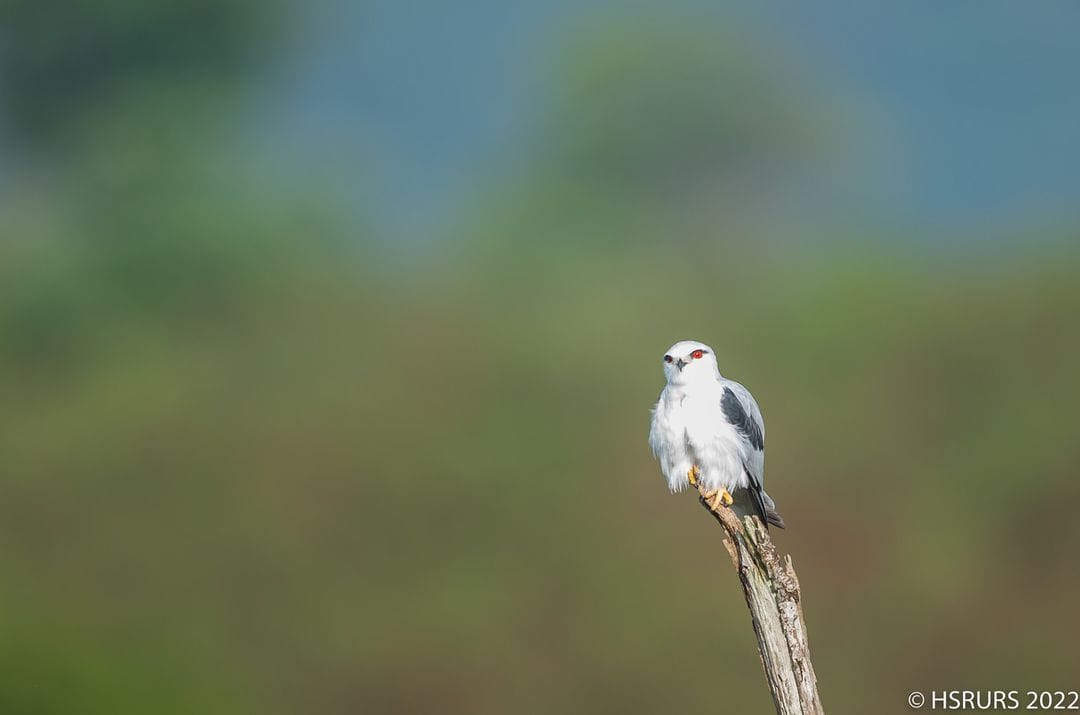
<point x="328" y="335"/>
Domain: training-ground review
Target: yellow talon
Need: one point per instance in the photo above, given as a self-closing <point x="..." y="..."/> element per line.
<point x="718" y="498"/>
<point x="692" y="476"/>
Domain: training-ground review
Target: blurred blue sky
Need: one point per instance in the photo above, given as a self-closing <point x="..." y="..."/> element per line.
<point x="964" y="117"/>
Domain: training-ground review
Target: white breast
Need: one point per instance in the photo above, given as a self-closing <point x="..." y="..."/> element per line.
<point x="689" y="430"/>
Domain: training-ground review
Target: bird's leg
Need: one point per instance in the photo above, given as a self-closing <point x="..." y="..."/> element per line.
<point x="717" y="498"/>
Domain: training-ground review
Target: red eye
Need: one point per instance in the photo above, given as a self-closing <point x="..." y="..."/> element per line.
<point x="667" y="358"/>
<point x="697" y="354"/>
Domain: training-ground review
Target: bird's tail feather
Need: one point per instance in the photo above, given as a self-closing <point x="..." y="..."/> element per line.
<point x="761" y="505"/>
<point x="773" y="517"/>
<point x="769" y="513"/>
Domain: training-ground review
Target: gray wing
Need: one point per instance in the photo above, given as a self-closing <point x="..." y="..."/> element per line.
<point x="742" y="412"/>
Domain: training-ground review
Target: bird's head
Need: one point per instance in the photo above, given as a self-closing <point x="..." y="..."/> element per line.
<point x="689" y="361"/>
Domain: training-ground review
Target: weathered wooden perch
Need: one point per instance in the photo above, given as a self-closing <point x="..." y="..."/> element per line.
<point x="772" y="594"/>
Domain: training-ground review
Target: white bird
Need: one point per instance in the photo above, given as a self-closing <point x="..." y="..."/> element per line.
<point x="708" y="430"/>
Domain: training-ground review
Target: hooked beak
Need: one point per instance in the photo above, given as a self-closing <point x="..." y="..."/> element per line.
<point x="680" y="363"/>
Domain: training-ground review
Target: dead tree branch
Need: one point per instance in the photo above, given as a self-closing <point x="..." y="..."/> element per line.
<point x="772" y="594"/>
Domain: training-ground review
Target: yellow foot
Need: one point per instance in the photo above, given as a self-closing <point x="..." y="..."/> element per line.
<point x="718" y="498"/>
<point x="692" y="476"/>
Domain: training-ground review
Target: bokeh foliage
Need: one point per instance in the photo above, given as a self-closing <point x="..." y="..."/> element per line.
<point x="250" y="462"/>
<point x="65" y="62"/>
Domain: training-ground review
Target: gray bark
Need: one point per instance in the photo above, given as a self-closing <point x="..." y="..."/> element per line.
<point x="775" y="602"/>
